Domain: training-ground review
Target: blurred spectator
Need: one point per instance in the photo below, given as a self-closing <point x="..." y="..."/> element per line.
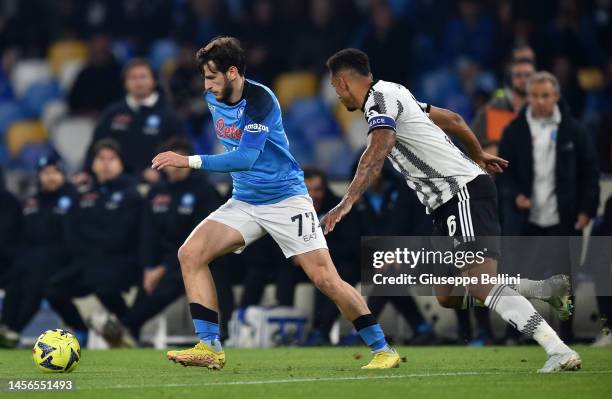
<point x="524" y="52"/>
<point x="599" y="110"/>
<point x="185" y="83"/>
<point x="342" y="244"/>
<point x="103" y="241"/>
<point x="470" y="35"/>
<point x="42" y="247"/>
<point x="571" y="33"/>
<point x="505" y="104"/>
<point x="174" y="207"/>
<point x="265" y="43"/>
<point x="384" y="38"/>
<point x="10" y="229"/>
<point x="97" y="84"/>
<point x="551" y="184"/>
<point x="139" y="123"/>
<point x="565" y="72"/>
<point x="321" y="36"/>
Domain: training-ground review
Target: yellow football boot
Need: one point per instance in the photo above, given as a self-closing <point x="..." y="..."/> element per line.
<point x="383" y="360"/>
<point x="199" y="356"/>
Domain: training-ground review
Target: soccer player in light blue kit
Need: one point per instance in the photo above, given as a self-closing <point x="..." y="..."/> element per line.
<point x="269" y="197"/>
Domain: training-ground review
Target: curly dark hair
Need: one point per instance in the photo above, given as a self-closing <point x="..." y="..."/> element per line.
<point x="225" y="52"/>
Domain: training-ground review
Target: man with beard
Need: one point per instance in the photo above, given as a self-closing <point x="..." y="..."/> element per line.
<point x="269" y="196"/>
<point x="505" y="104"/>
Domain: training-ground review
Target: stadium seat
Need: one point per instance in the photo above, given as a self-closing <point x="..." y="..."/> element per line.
<point x="53" y="112"/>
<point x="22" y="133"/>
<point x="313" y="119"/>
<point x="69" y="73"/>
<point x="10" y="112"/>
<point x="29" y="155"/>
<point x="39" y="94"/>
<point x="162" y="51"/>
<point x="71" y="138"/>
<point x="27" y="72"/>
<point x="294" y="85"/>
<point x="65" y="51"/>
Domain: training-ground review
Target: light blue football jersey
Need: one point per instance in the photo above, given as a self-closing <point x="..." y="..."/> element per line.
<point x="256" y="121"/>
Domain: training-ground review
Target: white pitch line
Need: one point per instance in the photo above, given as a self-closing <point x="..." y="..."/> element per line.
<point x="332" y="379"/>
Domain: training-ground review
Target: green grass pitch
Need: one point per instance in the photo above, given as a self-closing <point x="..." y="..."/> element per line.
<point x="436" y="372"/>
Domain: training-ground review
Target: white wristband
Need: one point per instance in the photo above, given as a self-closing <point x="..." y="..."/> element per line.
<point x="195" y="162"/>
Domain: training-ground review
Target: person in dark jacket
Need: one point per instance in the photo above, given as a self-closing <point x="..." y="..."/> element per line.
<point x="102" y="240"/>
<point x="42" y="249"/>
<point x="139" y="123"/>
<point x="10" y="227"/>
<point x="551" y="185"/>
<point x="173" y="208"/>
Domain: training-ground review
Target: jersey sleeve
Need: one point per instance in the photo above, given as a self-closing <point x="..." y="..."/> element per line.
<point x="382" y="110"/>
<point x="261" y="112"/>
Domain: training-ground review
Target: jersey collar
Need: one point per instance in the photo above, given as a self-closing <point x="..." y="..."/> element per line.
<point x="370" y="91"/>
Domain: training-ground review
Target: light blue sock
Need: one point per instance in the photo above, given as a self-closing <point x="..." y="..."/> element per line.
<point x="374" y="337"/>
<point x="208" y="332"/>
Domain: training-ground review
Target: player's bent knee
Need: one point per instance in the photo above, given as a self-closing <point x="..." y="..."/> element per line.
<point x="327" y="284"/>
<point x="188" y="257"/>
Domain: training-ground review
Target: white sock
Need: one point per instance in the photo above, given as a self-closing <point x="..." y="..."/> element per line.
<point x="520" y="313"/>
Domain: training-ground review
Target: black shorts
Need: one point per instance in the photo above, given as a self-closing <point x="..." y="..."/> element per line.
<point x="471" y="217"/>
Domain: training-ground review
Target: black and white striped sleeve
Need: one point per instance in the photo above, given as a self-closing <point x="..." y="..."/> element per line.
<point x="382" y="110"/>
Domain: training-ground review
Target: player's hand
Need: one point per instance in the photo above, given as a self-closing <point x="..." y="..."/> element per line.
<point x="491" y="163"/>
<point x="152" y="277"/>
<point x="582" y="222"/>
<point x="334" y="216"/>
<point x="169" y="158"/>
<point x="522" y="202"/>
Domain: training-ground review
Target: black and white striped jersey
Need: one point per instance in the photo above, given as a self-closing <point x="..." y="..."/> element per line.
<point x="429" y="161"/>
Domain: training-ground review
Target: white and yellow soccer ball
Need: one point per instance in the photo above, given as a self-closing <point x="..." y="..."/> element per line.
<point x="56" y="351"/>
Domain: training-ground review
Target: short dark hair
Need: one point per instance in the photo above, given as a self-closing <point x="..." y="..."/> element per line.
<point x="310" y="172"/>
<point x="521" y="61"/>
<point x="225" y="52"/>
<point x="134" y="63"/>
<point x="177" y="144"/>
<point x="107" y="144"/>
<point x="349" y="58"/>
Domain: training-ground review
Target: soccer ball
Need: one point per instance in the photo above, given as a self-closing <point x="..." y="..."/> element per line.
<point x="56" y="351"/>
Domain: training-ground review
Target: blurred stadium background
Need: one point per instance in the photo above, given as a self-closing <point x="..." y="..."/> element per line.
<point x="61" y="63"/>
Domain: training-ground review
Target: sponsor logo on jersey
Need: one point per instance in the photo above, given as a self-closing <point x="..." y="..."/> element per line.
<point x="256" y="128"/>
<point x="229" y="132"/>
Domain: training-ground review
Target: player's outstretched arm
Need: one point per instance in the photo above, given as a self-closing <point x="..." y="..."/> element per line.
<point x="240" y="159"/>
<point x="453" y="124"/>
<point x="380" y="143"/>
<point x="169" y="158"/>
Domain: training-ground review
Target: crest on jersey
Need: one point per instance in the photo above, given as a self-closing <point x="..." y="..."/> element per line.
<point x="373" y="110"/>
<point x="240" y="112"/>
<point x="188" y="199"/>
<point x="64" y="203"/>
